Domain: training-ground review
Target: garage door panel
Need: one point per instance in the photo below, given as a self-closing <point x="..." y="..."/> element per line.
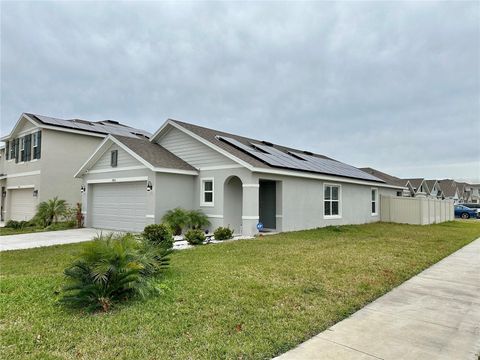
<point x="23" y="204"/>
<point x="119" y="206"/>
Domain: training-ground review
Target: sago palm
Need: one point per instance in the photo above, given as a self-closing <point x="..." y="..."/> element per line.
<point x="49" y="211"/>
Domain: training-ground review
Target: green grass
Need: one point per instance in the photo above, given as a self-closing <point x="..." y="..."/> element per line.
<point x="250" y="299"/>
<point x="34" y="229"/>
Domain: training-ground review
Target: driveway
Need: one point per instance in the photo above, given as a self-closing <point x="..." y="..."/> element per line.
<point x="27" y="241"/>
<point x="434" y="315"/>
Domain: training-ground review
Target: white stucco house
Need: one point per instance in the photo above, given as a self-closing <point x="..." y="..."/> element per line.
<point x="238" y="182"/>
<point x="41" y="155"/>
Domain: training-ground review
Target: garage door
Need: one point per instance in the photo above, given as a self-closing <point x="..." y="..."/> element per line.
<point x="119" y="206"/>
<point x="22" y="204"/>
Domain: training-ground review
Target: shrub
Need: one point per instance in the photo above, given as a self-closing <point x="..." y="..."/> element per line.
<point x="195" y="236"/>
<point x="49" y="211"/>
<point x="223" y="233"/>
<point x="176" y="219"/>
<point x="111" y="269"/>
<point x="197" y="219"/>
<point x="159" y="234"/>
<point x="13" y="224"/>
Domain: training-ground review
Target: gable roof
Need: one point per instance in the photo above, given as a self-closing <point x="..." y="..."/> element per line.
<point x="151" y="155"/>
<point x="449" y="187"/>
<point x="212" y="138"/>
<point x="389" y="179"/>
<point x="156" y="155"/>
<point x="95" y="128"/>
<point x="415" y="182"/>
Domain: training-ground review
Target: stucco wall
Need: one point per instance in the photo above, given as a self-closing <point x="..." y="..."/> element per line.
<point x="62" y="155"/>
<point x="171" y="191"/>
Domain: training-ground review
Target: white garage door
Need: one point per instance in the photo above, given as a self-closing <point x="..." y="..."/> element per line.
<point x="22" y="204"/>
<point x="119" y="206"/>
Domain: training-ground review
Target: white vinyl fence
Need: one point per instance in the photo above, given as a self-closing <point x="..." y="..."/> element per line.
<point x="417" y="211"/>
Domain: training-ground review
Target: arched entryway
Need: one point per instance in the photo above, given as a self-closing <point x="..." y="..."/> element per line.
<point x="233" y="204"/>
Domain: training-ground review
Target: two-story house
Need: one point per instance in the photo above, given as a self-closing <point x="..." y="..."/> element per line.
<point x="40" y="158"/>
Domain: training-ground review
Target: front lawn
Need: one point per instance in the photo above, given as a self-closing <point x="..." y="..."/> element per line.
<point x="250" y="299"/>
<point x="35" y="228"/>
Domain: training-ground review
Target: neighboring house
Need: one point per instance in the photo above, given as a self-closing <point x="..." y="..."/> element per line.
<point x="434" y="189"/>
<point x="418" y="186"/>
<point x="41" y="156"/>
<point x="449" y="189"/>
<point x="392" y="180"/>
<point x="237" y="181"/>
<point x="475" y="193"/>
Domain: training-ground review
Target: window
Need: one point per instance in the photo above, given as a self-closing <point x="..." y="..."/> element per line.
<point x="374" y="202"/>
<point x="7" y="150"/>
<point x="399" y="193"/>
<point x="207" y="196"/>
<point x="331" y="201"/>
<point x="114" y="158"/>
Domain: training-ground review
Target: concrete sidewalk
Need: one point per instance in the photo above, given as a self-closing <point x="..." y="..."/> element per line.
<point x="434" y="315"/>
<point x="48" y="238"/>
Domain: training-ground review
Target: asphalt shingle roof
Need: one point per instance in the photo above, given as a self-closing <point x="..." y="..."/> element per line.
<point x="153" y="153"/>
<point x="389" y="179"/>
<point x="211" y="136"/>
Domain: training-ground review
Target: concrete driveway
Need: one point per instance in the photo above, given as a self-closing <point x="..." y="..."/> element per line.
<point x="27" y="241"/>
<point x="434" y="315"/>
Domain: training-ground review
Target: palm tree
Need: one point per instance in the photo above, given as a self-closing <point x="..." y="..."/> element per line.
<point x="49" y="211"/>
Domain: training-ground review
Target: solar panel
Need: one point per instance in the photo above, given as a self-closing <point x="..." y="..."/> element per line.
<point x="298" y="161"/>
<point x="103" y="128"/>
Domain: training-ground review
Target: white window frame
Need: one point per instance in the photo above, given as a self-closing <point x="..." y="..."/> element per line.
<point x="340" y="201"/>
<point x="203" y="191"/>
<point x="372" y="201"/>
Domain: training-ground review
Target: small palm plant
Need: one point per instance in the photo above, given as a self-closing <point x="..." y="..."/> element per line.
<point x="197" y="219"/>
<point x="113" y="268"/>
<point x="49" y="211"/>
<point x="177" y="219"/>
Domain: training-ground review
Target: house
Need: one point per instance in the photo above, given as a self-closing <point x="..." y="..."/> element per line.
<point x="41" y="155"/>
<point x="407" y="189"/>
<point x="434" y="189"/>
<point x="475" y="193"/>
<point x="449" y="189"/>
<point x="237" y="181"/>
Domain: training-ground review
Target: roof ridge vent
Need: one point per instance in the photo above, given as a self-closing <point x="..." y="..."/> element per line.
<point x="307" y="152"/>
<point x="268" y="143"/>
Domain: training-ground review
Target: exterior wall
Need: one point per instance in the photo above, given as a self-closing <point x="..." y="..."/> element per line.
<point x="302" y="206"/>
<point x="52" y="175"/>
<point x="171" y="191"/>
<point x="124" y="159"/>
<point x="191" y="150"/>
<point x="215" y="213"/>
<point x="416" y="211"/>
<point x="62" y="155"/>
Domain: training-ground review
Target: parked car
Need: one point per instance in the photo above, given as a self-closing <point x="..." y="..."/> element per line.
<point x="473" y="206"/>
<point x="465" y="212"/>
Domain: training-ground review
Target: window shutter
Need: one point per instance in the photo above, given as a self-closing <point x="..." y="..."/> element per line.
<point x="28" y="147"/>
<point x="7" y="150"/>
<point x="38" y="149"/>
<point x="114" y="158"/>
<point x="17" y="149"/>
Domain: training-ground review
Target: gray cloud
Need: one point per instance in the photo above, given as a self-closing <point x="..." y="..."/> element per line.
<point x="390" y="85"/>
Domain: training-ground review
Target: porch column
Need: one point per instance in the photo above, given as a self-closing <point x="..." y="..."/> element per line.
<point x="250" y="216"/>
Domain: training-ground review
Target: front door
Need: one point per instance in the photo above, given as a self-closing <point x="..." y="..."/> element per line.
<point x="268" y="203"/>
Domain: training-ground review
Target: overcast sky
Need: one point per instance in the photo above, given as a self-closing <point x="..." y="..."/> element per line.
<point x="395" y="86"/>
